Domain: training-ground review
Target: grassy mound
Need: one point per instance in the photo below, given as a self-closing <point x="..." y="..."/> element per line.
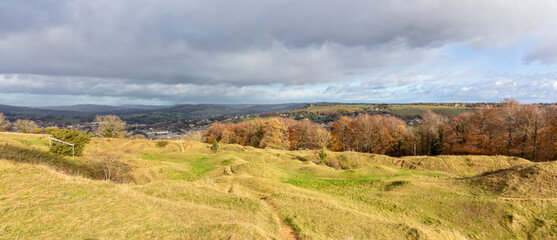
<point x="459" y="165"/>
<point x="183" y="190"/>
<point x="528" y="180"/>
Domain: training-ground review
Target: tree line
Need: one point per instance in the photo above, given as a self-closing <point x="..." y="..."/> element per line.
<point x="109" y="126"/>
<point x="527" y="131"/>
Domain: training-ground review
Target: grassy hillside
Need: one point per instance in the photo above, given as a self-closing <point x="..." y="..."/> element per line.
<point x="322" y="111"/>
<point x="182" y="190"/>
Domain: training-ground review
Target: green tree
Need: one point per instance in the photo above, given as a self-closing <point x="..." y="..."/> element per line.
<point x="74" y="136"/>
<point x="110" y="126"/>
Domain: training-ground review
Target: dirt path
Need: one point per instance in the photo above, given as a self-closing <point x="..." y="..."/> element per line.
<point x="286" y="231"/>
<point x="182" y="146"/>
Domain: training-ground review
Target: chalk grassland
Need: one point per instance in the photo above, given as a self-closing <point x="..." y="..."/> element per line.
<point x="185" y="191"/>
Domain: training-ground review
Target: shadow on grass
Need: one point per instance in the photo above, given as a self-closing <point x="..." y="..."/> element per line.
<point x="35" y="156"/>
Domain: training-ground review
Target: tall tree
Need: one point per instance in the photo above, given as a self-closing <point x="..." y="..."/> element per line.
<point x="275" y="134"/>
<point x="25" y="126"/>
<point x="4" y="123"/>
<point x="110" y="126"/>
<point x="342" y="134"/>
<point x="511" y="119"/>
<point x="431" y="131"/>
<point x="535" y="125"/>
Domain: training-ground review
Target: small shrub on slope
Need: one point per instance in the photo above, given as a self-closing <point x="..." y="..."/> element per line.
<point x="162" y="144"/>
<point x="77" y="137"/>
<point x="107" y="166"/>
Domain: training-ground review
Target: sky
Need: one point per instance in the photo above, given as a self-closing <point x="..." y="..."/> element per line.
<point x="163" y="52"/>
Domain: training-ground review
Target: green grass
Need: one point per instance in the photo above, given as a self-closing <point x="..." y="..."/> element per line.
<point x="405" y="111"/>
<point x="248" y="193"/>
<point x="402" y="111"/>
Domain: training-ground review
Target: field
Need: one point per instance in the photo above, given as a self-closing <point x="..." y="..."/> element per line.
<point x="183" y="190"/>
<point x="406" y="112"/>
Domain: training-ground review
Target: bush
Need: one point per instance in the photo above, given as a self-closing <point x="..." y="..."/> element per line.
<point x="162" y="144"/>
<point x="107" y="166"/>
<point x="322" y="153"/>
<point x="344" y="162"/>
<point x="215" y="146"/>
<point x="38" y="131"/>
<point x="74" y="136"/>
<point x="332" y="162"/>
<point x="50" y="130"/>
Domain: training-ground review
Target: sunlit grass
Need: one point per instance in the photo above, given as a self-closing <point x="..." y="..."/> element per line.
<point x="248" y="193"/>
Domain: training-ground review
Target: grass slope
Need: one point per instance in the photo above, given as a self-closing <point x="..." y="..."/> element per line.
<point x="185" y="191"/>
<point x="400" y="110"/>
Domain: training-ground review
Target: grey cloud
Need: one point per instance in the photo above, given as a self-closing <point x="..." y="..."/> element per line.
<point x="31" y="15"/>
<point x="245" y="42"/>
<point x="545" y="51"/>
<point x="281" y="50"/>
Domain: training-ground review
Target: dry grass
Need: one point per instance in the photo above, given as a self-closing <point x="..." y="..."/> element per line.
<point x="535" y="180"/>
<point x="185" y="191"/>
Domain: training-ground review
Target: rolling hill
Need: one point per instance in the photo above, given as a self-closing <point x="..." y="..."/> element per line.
<point x="182" y="189"/>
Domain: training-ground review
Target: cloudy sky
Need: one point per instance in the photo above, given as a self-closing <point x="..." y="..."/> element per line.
<point x="60" y="52"/>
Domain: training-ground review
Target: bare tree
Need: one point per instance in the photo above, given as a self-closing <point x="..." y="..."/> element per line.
<point x="4" y="123"/>
<point x="110" y="126"/>
<point x="25" y="126"/>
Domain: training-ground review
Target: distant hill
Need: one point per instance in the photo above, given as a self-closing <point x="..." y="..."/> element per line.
<point x="92" y="108"/>
<point x="27" y="111"/>
<point x="145" y="113"/>
<point x="327" y="112"/>
<point x="201" y="111"/>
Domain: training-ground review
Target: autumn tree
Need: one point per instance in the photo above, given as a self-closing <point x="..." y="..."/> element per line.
<point x="321" y="138"/>
<point x="431" y="133"/>
<point x="550" y="139"/>
<point x="511" y="120"/>
<point x="274" y="134"/>
<point x="535" y="125"/>
<point x="110" y="126"/>
<point x="342" y="134"/>
<point x="528" y="131"/>
<point x="305" y="134"/>
<point x="25" y="126"/>
<point x="4" y="123"/>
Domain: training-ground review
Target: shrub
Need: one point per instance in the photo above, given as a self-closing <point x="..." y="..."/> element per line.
<point x="74" y="136"/>
<point x="344" y="162"/>
<point x="107" y="166"/>
<point x="162" y="144"/>
<point x="215" y="146"/>
<point x="38" y="131"/>
<point x="332" y="162"/>
<point x="50" y="130"/>
<point x="322" y="153"/>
